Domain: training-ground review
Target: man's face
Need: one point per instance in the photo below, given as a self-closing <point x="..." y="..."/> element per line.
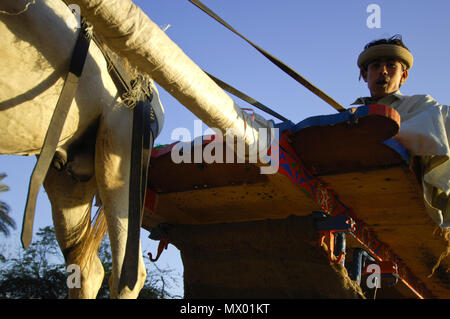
<point x="384" y="76"/>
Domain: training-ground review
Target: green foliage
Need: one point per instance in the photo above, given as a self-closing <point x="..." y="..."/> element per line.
<point x="6" y="221"/>
<point x="33" y="274"/>
<point x="39" y="272"/>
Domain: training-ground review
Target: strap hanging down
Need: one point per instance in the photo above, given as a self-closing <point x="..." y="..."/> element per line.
<point x="54" y="130"/>
<point x="274" y="60"/>
<point x="141" y="147"/>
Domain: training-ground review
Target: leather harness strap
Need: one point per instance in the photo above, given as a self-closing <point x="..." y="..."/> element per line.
<point x="142" y="143"/>
<point x="54" y="130"/>
<point x="246" y="98"/>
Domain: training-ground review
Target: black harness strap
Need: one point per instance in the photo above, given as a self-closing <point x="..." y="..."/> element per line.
<point x="121" y="84"/>
<point x="141" y="147"/>
<point x="246" y="98"/>
<point x="54" y="130"/>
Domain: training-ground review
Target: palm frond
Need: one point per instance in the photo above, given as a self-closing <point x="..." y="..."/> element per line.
<point x="6" y="221"/>
<point x="3" y="187"/>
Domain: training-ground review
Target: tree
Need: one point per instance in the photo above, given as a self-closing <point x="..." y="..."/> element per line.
<point x="33" y="274"/>
<point x="39" y="272"/>
<point x="5" y="220"/>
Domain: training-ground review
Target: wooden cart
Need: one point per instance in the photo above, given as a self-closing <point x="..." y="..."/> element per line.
<point x="346" y="164"/>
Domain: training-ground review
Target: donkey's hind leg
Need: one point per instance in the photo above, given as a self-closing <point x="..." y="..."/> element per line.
<point x="112" y="168"/>
<point x="71" y="202"/>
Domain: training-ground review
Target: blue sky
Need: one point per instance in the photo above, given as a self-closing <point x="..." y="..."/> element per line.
<point x="319" y="39"/>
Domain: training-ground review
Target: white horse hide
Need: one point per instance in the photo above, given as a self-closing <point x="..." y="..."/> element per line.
<point x="36" y="46"/>
<point x="34" y="59"/>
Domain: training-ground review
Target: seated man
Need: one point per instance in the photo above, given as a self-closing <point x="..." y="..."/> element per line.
<point x="425" y="124"/>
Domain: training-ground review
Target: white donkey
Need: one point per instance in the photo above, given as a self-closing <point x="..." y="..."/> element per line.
<point x="35" y="52"/>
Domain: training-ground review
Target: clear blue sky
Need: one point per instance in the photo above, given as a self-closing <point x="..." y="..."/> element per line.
<point x="319" y="39"/>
